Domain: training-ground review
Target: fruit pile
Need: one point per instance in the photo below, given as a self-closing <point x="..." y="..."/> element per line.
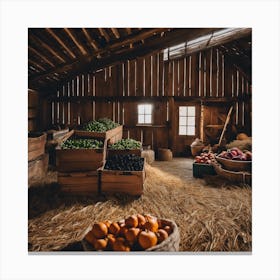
<point x="82" y="144"/>
<point x="124" y="162"/>
<point x="236" y="154"/>
<point x="124" y="144"/>
<point x="204" y="158"/>
<point x="135" y="233"/>
<point x="101" y="125"/>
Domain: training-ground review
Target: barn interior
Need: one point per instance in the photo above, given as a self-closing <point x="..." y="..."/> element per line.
<point x="182" y="93"/>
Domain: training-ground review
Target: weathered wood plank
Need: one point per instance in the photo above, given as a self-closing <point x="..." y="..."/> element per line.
<point x="148" y="91"/>
<point x="140" y="75"/>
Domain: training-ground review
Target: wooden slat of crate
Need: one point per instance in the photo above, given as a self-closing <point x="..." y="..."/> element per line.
<point x="111" y="152"/>
<point x="36" y="146"/>
<point x="79" y="182"/>
<point x="79" y="160"/>
<point x="129" y="182"/>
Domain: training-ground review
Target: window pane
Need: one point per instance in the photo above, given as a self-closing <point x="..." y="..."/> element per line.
<point x="141" y="109"/>
<point x="182" y="130"/>
<point x="182" y="111"/>
<point x="191" y="110"/>
<point x="190" y="130"/>
<point x="148" y="118"/>
<point x="182" y="121"/>
<point x="191" y="121"/>
<point x="148" y="109"/>
<point x="140" y="118"/>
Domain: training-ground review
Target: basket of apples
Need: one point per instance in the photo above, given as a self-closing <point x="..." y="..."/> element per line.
<point x="235" y="160"/>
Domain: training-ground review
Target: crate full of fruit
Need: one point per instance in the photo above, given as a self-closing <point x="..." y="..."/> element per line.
<point x="123" y="174"/>
<point x="103" y="128"/>
<point x="202" y="165"/>
<point x="125" y="147"/>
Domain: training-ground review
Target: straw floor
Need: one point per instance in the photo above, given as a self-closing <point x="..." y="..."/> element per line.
<point x="211" y="213"/>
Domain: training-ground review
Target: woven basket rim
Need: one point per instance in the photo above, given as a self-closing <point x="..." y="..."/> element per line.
<point x="233" y="160"/>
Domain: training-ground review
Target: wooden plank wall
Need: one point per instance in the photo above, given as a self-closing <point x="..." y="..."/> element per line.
<point x="201" y="75"/>
<point x="33" y="102"/>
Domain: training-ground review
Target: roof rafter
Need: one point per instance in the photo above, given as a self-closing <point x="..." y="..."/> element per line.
<point x="75" y="40"/>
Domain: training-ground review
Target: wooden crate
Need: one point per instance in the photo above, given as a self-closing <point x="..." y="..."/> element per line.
<point x="68" y="160"/>
<point x="111" y="152"/>
<point x="36" y="145"/>
<point x="37" y="169"/>
<point x="128" y="182"/>
<point x="112" y="135"/>
<point x="57" y="134"/>
<point x="201" y="169"/>
<point x="79" y="182"/>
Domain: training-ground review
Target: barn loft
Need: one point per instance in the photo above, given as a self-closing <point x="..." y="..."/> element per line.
<point x="176" y="104"/>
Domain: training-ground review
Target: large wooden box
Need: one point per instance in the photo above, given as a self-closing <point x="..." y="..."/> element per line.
<point x="79" y="182"/>
<point x="112" y="135"/>
<point x="36" y="145"/>
<point x="128" y="182"/>
<point x="75" y="160"/>
<point x="79" y="159"/>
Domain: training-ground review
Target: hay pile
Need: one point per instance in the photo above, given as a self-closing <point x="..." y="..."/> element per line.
<point x="241" y="144"/>
<point x="211" y="215"/>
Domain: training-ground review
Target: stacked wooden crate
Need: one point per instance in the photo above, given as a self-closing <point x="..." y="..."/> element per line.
<point x="37" y="158"/>
<point x="78" y="169"/>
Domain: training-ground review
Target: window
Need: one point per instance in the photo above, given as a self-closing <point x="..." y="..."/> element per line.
<point x="145" y="114"/>
<point x="187" y="120"/>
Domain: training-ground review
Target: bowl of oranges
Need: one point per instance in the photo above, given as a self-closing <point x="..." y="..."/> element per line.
<point x="138" y="232"/>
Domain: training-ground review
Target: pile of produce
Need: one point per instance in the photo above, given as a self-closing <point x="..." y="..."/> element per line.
<point x="124" y="144"/>
<point x="101" y="125"/>
<point x="236" y="154"/>
<point x="135" y="233"/>
<point x="204" y="158"/>
<point x="82" y="144"/>
<point x="125" y="162"/>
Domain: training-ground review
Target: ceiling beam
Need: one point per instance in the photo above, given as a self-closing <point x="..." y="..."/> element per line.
<point x="36" y="64"/>
<point x="41" y="56"/>
<point x="47" y="47"/>
<point x="74" y="39"/>
<point x="104" y="34"/>
<point x="171" y="38"/>
<point x="116" y="32"/>
<point x="90" y="40"/>
<point x="51" y="32"/>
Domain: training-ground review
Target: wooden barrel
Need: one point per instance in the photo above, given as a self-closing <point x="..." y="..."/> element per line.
<point x="36" y="145"/>
<point x="164" y="154"/>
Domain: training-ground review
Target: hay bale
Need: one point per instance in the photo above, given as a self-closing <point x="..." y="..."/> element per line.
<point x="164" y="154"/>
<point x="241" y="144"/>
<point x="149" y="155"/>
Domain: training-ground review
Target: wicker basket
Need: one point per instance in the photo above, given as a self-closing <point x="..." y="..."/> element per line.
<point x="171" y="244"/>
<point x="237" y="177"/>
<point x="235" y="165"/>
<point x="196" y="150"/>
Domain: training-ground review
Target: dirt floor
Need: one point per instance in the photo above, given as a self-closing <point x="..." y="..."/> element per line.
<point x="212" y="214"/>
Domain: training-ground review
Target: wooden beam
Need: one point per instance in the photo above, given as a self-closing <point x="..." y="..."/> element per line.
<point x="36" y="64"/>
<point x="90" y="40"/>
<point x="104" y="34"/>
<point x="51" y="32"/>
<point x="41" y="56"/>
<point x="74" y="39"/>
<point x="172" y="37"/>
<point x="116" y="32"/>
<point x="47" y="47"/>
<point x="70" y="69"/>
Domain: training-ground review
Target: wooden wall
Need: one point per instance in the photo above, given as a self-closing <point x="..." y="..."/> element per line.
<point x="33" y="103"/>
<point x="115" y="91"/>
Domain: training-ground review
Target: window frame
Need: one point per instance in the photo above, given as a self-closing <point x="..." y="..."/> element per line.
<point x="145" y="114"/>
<point x="195" y="126"/>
